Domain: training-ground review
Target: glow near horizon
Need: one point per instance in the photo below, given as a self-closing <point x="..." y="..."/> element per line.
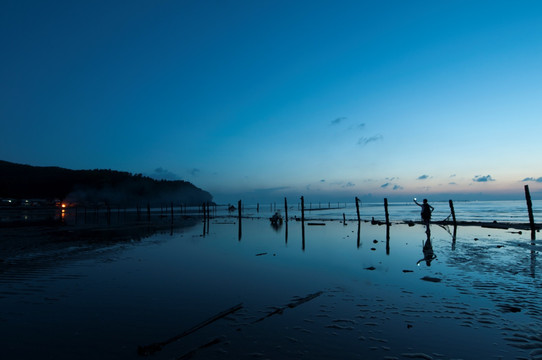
<point x="311" y="98"/>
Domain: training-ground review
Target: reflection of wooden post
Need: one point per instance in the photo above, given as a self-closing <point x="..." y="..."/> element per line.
<point x="239" y="208"/>
<point x="387" y="238"/>
<point x="530" y="209"/>
<point x="357" y="208"/>
<point x="302" y="209"/>
<point x="452" y="210"/>
<point x="359" y="230"/>
<point x="286" y="209"/>
<point x="258" y="207"/>
<point x="303" y="235"/>
<point x="386" y="211"/>
<point x="148" y="211"/>
<point x="172" y="211"/>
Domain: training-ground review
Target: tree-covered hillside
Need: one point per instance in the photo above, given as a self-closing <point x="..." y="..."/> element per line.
<point x="94" y="186"/>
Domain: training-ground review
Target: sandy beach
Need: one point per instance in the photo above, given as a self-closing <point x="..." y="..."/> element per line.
<point x="208" y="291"/>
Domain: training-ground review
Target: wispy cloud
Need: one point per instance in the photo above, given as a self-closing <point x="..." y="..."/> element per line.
<point x="452" y="183"/>
<point x="479" y="178"/>
<point x="453" y="175"/>
<point x="360" y="126"/>
<point x="533" y="179"/>
<point x="194" y="172"/>
<point x="338" y="120"/>
<point x="366" y="140"/>
<point x="348" y="184"/>
<point x="323" y="181"/>
<point x="397" y="187"/>
<point x="423" y="177"/>
<point x="385" y="185"/>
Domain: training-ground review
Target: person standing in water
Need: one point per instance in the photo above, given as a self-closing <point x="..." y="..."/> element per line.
<point x="426" y="211"/>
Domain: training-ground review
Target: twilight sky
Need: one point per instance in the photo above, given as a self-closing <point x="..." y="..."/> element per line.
<point x="261" y="99"/>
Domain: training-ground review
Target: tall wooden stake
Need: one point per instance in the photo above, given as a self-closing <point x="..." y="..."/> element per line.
<point x="386" y="211"/>
<point x="302" y="209"/>
<point x="286" y="209"/>
<point x="530" y="209"/>
<point x="453" y="211"/>
<point x="357" y="208"/>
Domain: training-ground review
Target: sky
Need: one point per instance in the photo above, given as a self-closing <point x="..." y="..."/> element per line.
<point x="260" y="100"/>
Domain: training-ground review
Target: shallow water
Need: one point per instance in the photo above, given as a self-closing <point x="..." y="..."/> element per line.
<point x="371" y="298"/>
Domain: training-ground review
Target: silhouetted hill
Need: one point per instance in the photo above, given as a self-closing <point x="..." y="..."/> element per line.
<point x="94" y="186"/>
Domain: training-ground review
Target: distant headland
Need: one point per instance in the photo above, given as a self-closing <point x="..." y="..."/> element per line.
<point x="39" y="185"/>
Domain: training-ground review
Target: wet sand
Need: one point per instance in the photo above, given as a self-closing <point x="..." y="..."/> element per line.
<point x="102" y="292"/>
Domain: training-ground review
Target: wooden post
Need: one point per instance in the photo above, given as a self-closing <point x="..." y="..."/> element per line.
<point x="530" y="209"/>
<point x="302" y="209"/>
<point x="386" y="211"/>
<point x="239" y="208"/>
<point x="258" y="207"/>
<point x="286" y="209"/>
<point x="357" y="208"/>
<point x="344" y="219"/>
<point x="453" y="211"/>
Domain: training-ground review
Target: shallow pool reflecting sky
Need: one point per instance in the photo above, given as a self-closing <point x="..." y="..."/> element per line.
<point x="478" y="296"/>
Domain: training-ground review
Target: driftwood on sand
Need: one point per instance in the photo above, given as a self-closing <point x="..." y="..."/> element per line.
<point x="291" y="305"/>
<point x="154" y="347"/>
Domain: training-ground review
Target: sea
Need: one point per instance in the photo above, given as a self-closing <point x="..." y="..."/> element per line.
<point x="509" y="211"/>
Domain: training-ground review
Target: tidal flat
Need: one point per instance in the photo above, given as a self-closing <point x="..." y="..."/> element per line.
<point x="225" y="290"/>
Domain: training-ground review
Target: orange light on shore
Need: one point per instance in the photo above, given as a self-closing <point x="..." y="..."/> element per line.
<point x="63" y="206"/>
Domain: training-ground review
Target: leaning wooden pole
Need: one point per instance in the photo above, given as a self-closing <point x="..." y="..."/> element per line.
<point x="453" y="211"/>
<point x="357" y="208"/>
<point x="530" y="209"/>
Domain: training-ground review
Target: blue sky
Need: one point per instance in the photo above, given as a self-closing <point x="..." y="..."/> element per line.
<point x="258" y="100"/>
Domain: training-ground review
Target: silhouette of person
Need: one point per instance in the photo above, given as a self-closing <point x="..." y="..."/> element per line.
<point x="428" y="254"/>
<point x="426" y="211"/>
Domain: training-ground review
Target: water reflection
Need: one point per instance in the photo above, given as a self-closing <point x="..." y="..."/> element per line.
<point x="428" y="254"/>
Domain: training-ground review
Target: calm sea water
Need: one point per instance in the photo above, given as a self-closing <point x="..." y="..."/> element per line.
<point x="513" y="211"/>
<point x="318" y="292"/>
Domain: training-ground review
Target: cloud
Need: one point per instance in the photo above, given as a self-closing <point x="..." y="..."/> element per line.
<point x="533" y="179"/>
<point x="361" y="126"/>
<point x="366" y="140"/>
<point x="391" y="178"/>
<point x="452" y="183"/>
<point x="163" y="174"/>
<point x="348" y="184"/>
<point x="323" y="181"/>
<point x="195" y="172"/>
<point x="453" y="175"/>
<point x="397" y="187"/>
<point x="486" y="178"/>
<point x="338" y="120"/>
<point x="423" y="177"/>
<point x="385" y="185"/>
